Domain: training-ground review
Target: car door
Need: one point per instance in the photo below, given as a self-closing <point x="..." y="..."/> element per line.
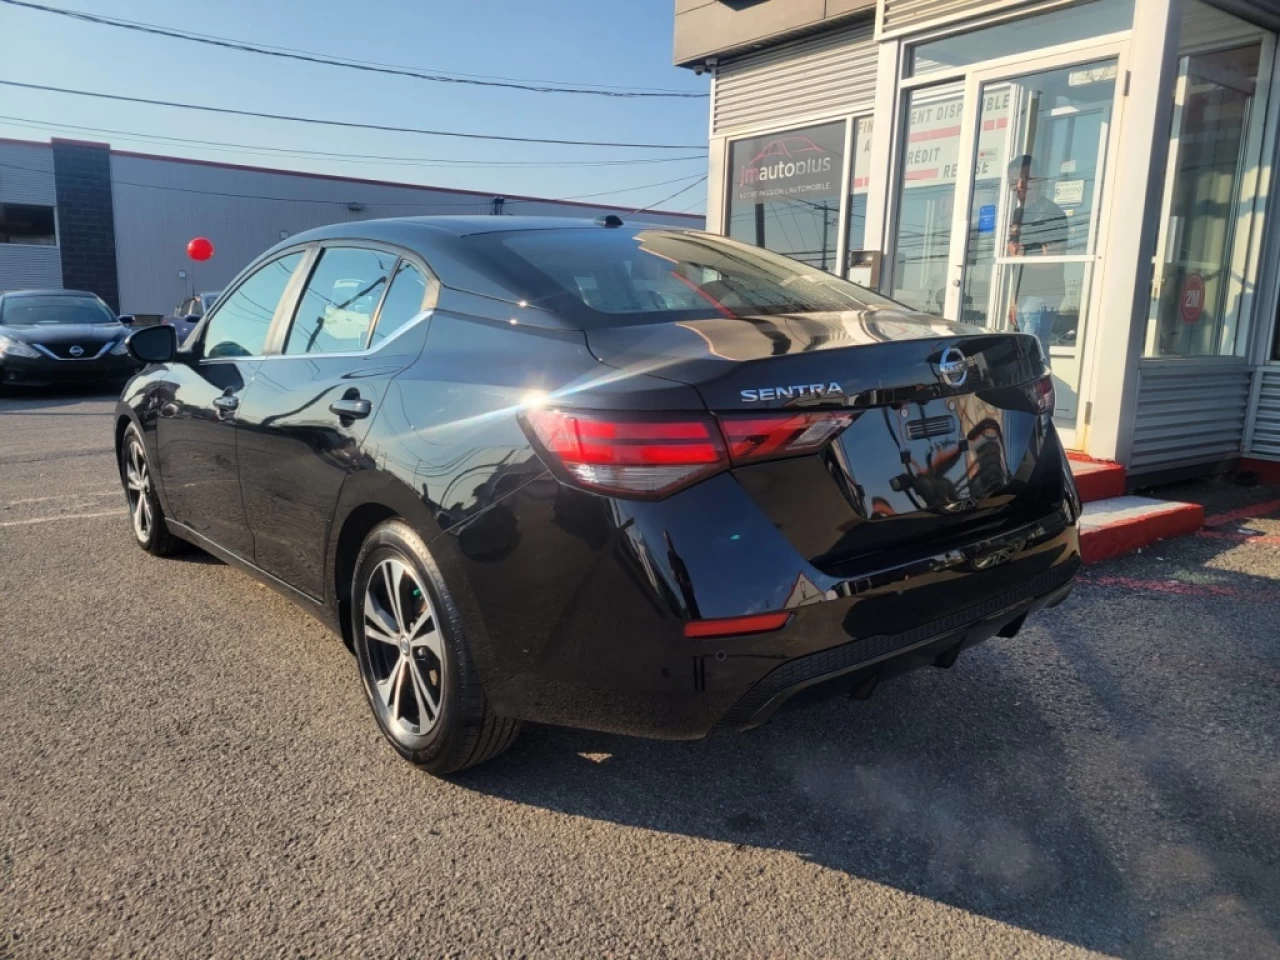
<point x="195" y="426"/>
<point x="302" y="420"/>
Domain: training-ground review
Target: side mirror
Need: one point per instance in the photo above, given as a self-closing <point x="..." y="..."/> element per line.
<point x="158" y="344"/>
<point x="191" y="318"/>
<point x="126" y="319"/>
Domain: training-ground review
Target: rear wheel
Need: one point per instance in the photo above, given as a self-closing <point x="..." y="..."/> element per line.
<point x="145" y="514"/>
<point x="411" y="649"/>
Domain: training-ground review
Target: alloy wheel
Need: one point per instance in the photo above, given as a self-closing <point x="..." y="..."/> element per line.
<point x="404" y="649"/>
<point x="137" y="482"/>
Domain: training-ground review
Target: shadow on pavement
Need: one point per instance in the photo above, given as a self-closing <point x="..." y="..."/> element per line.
<point x="1108" y="778"/>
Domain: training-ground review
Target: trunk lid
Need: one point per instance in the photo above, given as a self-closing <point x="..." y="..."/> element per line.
<point x="944" y="447"/>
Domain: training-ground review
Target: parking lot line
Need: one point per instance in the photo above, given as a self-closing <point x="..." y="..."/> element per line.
<point x="66" y="516"/>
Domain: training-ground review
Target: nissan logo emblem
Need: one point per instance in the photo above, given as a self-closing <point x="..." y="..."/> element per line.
<point x="76" y="351"/>
<point x="953" y="368"/>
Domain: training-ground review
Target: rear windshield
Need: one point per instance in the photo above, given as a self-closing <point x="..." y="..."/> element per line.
<point x="603" y="277"/>
<point x="30" y="311"/>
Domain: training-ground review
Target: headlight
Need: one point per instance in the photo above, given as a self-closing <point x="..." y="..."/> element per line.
<point x="121" y="349"/>
<point x="16" y="348"/>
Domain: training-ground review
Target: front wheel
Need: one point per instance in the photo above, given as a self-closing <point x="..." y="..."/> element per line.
<point x="145" y="513"/>
<point x="411" y="649"/>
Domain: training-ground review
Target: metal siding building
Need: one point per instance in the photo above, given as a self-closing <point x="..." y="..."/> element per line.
<point x="26" y="177"/>
<point x="160" y="203"/>
<point x="1155" y="128"/>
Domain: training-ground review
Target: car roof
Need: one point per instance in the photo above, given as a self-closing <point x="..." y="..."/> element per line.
<point x="410" y="231"/>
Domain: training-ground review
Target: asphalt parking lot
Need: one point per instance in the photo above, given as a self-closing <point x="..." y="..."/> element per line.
<point x="188" y="768"/>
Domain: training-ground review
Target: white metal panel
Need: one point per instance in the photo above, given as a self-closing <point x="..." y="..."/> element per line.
<point x="26" y="174"/>
<point x="832" y="73"/>
<point x="1189" y="413"/>
<point x="1265" y="441"/>
<point x="907" y="16"/>
<point x="26" y="267"/>
<point x="160" y="204"/>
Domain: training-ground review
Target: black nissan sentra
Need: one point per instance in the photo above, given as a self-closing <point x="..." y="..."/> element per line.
<point x="60" y="337"/>
<point x="631" y="478"/>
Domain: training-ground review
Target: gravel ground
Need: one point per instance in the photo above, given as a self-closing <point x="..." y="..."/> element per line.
<point x="188" y="768"/>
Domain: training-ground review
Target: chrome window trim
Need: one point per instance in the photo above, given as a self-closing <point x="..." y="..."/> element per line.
<point x="413" y="321"/>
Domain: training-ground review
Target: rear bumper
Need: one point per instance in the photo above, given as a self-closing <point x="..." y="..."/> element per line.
<point x="45" y="371"/>
<point x="587" y="630"/>
<point x="873" y="658"/>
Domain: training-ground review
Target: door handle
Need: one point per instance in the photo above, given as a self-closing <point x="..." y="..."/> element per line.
<point x="226" y="403"/>
<point x="353" y="408"/>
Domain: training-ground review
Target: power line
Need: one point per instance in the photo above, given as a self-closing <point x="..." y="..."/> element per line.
<point x="385" y="203"/>
<point x="349" y="124"/>
<point x="329" y="61"/>
<point x="344" y="157"/>
<point x="670" y="198"/>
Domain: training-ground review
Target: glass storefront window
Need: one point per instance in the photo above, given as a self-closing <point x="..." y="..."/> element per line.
<point x="1023" y="35"/>
<point x="1201" y="254"/>
<point x="926" y="196"/>
<point x="784" y="192"/>
<point x="860" y="183"/>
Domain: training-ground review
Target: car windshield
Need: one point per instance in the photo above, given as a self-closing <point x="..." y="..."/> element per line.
<point x="206" y="300"/>
<point x="33" y="311"/>
<point x="602" y="277"/>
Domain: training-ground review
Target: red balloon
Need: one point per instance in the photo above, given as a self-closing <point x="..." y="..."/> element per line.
<point x="200" y="248"/>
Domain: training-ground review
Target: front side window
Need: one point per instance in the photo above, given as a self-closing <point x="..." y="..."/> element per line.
<point x="336" y="309"/>
<point x="239" y="326"/>
<point x="403" y="302"/>
<point x="784" y="192"/>
<point x="27" y="223"/>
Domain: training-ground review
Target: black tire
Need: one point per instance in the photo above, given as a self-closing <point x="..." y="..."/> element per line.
<point x="146" y="517"/>
<point x="406" y="629"/>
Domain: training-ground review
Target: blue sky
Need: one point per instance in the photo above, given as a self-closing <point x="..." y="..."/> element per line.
<point x="595" y="42"/>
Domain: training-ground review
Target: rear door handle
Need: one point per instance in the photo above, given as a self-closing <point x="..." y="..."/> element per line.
<point x="226" y="403"/>
<point x="353" y="408"/>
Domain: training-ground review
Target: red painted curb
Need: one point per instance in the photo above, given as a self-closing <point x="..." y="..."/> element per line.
<point x="1097" y="480"/>
<point x="1113" y="540"/>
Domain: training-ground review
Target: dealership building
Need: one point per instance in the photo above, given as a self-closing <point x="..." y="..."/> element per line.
<point x="83" y="216"/>
<point x="1097" y="173"/>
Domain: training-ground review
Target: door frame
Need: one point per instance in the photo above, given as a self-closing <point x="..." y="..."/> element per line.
<point x="1073" y="435"/>
<point x="973" y="76"/>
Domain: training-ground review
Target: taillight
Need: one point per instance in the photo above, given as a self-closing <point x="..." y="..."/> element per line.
<point x="630" y="455"/>
<point x="1044" y="394"/>
<point x="653" y="455"/>
<point x="767" y="436"/>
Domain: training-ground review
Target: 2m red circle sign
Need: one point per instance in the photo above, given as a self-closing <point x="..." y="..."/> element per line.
<point x="1191" y="299"/>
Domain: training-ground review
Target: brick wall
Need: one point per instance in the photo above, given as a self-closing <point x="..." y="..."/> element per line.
<point x="86" y="219"/>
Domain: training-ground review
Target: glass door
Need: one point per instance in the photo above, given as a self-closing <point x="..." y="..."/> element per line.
<point x="1029" y="235"/>
<point x="999" y="209"/>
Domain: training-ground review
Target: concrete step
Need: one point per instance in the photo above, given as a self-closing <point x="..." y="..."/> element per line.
<point x="1097" y="479"/>
<point x="1119" y="525"/>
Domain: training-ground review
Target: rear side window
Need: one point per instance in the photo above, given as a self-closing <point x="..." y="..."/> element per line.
<point x="238" y="328"/>
<point x="403" y="303"/>
<point x="603" y="277"/>
<point x="336" y="309"/>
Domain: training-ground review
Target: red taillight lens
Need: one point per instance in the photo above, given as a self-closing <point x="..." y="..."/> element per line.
<point x="781" y="435"/>
<point x="623" y="454"/>
<point x="651" y="456"/>
<point x="1044" y="394"/>
<point x="736" y="626"/>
